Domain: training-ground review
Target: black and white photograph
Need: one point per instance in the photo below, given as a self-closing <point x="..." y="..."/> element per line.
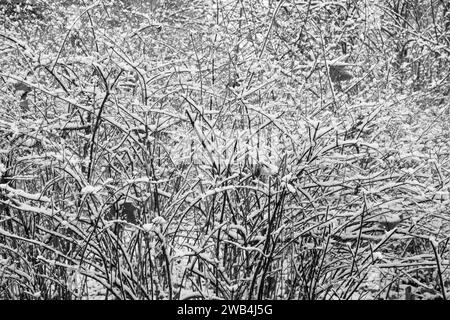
<point x="241" y="152"/>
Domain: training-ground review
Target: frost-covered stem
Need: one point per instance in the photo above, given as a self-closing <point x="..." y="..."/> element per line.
<point x="434" y="245"/>
<point x="326" y="235"/>
<point x="255" y="276"/>
<point x="167" y="261"/>
<point x="266" y="243"/>
<point x="263" y="47"/>
<point x="96" y="126"/>
<point x="322" y="46"/>
<point x="222" y="214"/>
<point x="266" y="38"/>
<point x="358" y="240"/>
<point x="68" y="32"/>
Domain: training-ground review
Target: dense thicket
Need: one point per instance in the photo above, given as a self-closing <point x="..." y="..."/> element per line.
<point x="224" y="149"/>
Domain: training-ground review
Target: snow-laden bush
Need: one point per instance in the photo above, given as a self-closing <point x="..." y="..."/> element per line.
<point x="171" y="152"/>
